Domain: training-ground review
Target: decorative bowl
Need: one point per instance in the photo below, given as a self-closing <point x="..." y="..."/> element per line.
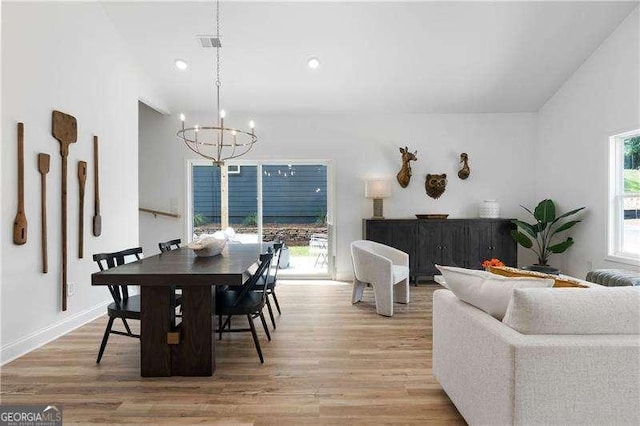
<point x="432" y="216"/>
<point x="208" y="246"/>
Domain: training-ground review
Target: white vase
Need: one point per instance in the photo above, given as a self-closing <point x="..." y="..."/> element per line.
<point x="489" y="209"/>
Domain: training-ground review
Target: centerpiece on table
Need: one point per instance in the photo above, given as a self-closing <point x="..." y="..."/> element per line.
<point x="208" y="245"/>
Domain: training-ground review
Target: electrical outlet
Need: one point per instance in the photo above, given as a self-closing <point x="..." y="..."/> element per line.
<point x="71" y="289"/>
<point x="589" y="265"/>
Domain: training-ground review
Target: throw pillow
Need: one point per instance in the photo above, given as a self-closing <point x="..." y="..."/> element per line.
<point x="514" y="272"/>
<point x="486" y="291"/>
<point x="591" y="311"/>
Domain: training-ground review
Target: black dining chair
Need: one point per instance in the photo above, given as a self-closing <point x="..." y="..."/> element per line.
<point x="245" y="301"/>
<point x="169" y="245"/>
<point x="124" y="306"/>
<point x="269" y="284"/>
<point x="176" y="290"/>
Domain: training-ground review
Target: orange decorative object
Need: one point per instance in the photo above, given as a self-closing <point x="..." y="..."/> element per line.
<point x="492" y="262"/>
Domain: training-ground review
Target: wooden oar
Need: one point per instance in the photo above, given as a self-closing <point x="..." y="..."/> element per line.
<point x="97" y="219"/>
<point x="20" y="222"/>
<point x="43" y="168"/>
<point x="65" y="129"/>
<point x="82" y="178"/>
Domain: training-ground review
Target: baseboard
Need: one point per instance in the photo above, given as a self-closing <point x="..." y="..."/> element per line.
<point x="33" y="341"/>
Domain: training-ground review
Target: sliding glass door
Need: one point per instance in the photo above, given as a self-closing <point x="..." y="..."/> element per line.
<point x="287" y="201"/>
<point x="295" y="205"/>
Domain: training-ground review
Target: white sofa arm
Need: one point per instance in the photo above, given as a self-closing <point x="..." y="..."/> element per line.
<point x="497" y="376"/>
<point x="473" y="360"/>
<point x="587" y="379"/>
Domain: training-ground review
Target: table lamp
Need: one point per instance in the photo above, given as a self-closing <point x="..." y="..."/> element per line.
<point x="377" y="189"/>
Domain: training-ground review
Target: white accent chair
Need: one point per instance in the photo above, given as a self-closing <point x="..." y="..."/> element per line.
<point x="385" y="268"/>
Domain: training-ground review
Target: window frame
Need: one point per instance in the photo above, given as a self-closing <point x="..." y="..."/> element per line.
<point x="615" y="201"/>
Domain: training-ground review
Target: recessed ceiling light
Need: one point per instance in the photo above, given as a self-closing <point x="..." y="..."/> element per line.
<point x="181" y="65"/>
<point x="313" y="63"/>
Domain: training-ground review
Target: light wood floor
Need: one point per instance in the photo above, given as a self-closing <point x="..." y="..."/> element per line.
<point x="329" y="362"/>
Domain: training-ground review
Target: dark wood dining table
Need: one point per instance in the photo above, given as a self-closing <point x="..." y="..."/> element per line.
<point x="193" y="352"/>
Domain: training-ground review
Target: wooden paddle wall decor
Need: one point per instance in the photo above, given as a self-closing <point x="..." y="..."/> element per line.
<point x="82" y="178"/>
<point x="65" y="129"/>
<point x="43" y="167"/>
<point x="20" y="222"/>
<point x="97" y="219"/>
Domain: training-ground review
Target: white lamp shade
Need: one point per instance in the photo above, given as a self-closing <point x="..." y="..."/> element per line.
<point x="378" y="188"/>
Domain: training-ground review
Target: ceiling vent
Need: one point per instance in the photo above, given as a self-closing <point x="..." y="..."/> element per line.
<point x="208" y="41"/>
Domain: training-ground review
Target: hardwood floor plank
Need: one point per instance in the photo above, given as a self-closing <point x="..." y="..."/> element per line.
<point x="329" y="363"/>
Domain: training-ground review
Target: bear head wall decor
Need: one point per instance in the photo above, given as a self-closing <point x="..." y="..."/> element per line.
<point x="435" y="185"/>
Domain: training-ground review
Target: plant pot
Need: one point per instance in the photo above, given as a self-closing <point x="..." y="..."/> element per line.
<point x="545" y="269"/>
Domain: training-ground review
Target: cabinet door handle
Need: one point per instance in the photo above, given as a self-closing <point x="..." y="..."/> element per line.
<point x="444" y="247"/>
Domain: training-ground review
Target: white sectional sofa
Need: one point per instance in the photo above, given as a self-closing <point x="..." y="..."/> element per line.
<point x="496" y="375"/>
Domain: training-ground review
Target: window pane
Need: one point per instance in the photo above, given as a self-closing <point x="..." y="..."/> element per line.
<point x="206" y="199"/>
<point x="294" y="210"/>
<point x="243" y="202"/>
<point x="631" y="226"/>
<point x="632" y="165"/>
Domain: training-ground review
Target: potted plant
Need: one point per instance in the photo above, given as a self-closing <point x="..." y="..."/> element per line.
<point x="539" y="235"/>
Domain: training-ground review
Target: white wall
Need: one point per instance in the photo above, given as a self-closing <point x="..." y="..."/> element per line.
<point x="66" y="57"/>
<point x="500" y="148"/>
<point x="600" y="100"/>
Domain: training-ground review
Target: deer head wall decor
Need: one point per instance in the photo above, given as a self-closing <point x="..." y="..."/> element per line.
<point x="404" y="175"/>
<point x="465" y="171"/>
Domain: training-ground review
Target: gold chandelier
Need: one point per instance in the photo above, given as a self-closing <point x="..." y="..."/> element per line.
<point x="217" y="142"/>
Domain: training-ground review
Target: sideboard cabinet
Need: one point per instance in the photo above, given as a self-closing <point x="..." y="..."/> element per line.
<point x="453" y="242"/>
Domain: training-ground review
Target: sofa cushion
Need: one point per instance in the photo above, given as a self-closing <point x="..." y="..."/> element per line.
<point x="514" y="272"/>
<point x="485" y="290"/>
<point x="589" y="311"/>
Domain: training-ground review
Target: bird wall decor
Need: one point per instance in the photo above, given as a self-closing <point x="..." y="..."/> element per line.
<point x="465" y="171"/>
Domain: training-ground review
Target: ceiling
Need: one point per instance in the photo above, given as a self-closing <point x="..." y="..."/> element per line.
<point x="414" y="57"/>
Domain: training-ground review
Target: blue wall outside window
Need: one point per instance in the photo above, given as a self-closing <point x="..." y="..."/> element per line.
<point x="291" y="194"/>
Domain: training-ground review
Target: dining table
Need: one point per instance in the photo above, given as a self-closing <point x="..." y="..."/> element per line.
<point x="186" y="349"/>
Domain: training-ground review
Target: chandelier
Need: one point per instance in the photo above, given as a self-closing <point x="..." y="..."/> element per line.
<point x="217" y="142"/>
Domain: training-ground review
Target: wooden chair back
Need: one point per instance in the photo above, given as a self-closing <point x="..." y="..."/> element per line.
<point x="169" y="245"/>
<point x="105" y="261"/>
<point x="277" y="251"/>
<point x="261" y="274"/>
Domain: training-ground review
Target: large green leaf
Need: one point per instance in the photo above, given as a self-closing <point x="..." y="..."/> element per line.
<point x="568" y="214"/>
<point x="545" y="212"/>
<point x="529" y="229"/>
<point x="566" y="226"/>
<point x="522" y="239"/>
<point x="561" y="247"/>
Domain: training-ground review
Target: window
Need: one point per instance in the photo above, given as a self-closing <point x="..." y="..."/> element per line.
<point x="267" y="200"/>
<point x="624" y="198"/>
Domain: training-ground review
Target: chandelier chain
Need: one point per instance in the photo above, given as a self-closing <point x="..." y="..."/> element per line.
<point x="219" y="43"/>
<point x="218" y="142"/>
